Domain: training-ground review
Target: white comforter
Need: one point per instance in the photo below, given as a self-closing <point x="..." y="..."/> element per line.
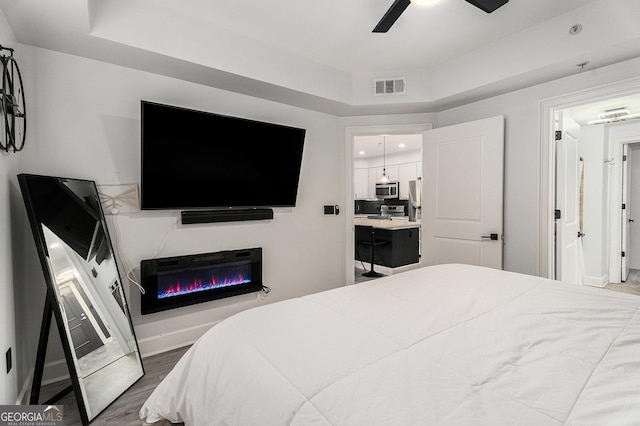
<point x="442" y="345"/>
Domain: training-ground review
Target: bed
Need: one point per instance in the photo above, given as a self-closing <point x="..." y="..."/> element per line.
<point x="440" y="345"/>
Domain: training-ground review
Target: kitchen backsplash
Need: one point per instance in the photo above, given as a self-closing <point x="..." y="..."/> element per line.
<point x="371" y="207"/>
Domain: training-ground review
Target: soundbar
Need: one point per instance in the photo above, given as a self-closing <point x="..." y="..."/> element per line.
<point x="230" y="215"/>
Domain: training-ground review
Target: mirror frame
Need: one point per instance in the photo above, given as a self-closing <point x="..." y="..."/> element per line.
<point x="52" y="304"/>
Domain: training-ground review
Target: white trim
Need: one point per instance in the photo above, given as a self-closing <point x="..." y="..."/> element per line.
<point x="26" y="388"/>
<point x="350" y="133"/>
<point x="596" y="281"/>
<point x="177" y="339"/>
<point x="55" y="371"/>
<point x="546" y="188"/>
<point x="618" y="136"/>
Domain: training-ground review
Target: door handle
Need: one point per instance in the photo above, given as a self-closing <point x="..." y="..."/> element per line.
<point x="631" y="220"/>
<point x="493" y="237"/>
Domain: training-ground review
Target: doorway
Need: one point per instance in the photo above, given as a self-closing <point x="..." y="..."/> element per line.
<point x="603" y="96"/>
<point x="374" y="133"/>
<point x="599" y="179"/>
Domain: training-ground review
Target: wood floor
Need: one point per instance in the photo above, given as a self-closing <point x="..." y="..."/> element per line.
<point x="124" y="410"/>
<point x="631" y="285"/>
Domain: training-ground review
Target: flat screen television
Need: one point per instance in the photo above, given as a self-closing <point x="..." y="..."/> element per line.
<point x="200" y="160"/>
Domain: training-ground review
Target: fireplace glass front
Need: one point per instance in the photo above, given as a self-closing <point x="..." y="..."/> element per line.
<point x="185" y="280"/>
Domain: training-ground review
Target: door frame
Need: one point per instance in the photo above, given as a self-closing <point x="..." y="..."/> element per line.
<point x="546" y="136"/>
<point x="618" y="138"/>
<point x="350" y="133"/>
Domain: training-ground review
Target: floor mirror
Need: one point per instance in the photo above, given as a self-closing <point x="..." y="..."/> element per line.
<point x="84" y="292"/>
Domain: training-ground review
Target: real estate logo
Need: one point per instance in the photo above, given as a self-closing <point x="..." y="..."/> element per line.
<point x="31" y="415"/>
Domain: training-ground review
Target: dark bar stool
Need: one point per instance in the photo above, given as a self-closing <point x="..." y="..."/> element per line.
<point x="367" y="237"/>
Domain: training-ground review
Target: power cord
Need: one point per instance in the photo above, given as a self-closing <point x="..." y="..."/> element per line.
<point x="264" y="292"/>
<point x="128" y="268"/>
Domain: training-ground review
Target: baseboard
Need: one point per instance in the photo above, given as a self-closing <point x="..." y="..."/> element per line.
<point x="596" y="281"/>
<point x="57" y="371"/>
<point x="165" y="342"/>
<point x="53" y="372"/>
<point x="26" y="389"/>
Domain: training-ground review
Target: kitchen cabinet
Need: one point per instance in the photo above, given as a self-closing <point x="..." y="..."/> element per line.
<point x="361" y="187"/>
<point x="401" y="243"/>
<point x="365" y="179"/>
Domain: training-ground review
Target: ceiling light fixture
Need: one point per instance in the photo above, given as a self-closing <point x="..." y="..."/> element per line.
<point x="614" y="116"/>
<point x="615" y="113"/>
<point x="384" y="178"/>
<point x="425" y="3"/>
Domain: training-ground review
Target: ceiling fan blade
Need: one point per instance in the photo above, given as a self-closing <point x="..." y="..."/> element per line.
<point x="391" y="16"/>
<point x="488" y="5"/>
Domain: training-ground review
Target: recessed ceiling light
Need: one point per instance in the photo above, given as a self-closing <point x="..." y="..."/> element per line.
<point x="54" y="245"/>
<point x="361" y="153"/>
<point x="401" y="145"/>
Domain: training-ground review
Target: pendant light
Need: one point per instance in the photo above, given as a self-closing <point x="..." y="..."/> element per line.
<point x="384" y="178"/>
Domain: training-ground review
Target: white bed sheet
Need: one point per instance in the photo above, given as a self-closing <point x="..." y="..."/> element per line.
<point x="441" y="345"/>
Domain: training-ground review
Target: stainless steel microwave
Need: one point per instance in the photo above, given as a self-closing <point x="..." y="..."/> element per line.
<point x="387" y="190"/>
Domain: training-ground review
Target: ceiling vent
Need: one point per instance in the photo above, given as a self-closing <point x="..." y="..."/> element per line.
<point x="391" y="86"/>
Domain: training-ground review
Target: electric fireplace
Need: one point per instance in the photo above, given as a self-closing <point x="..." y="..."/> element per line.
<point x="174" y="282"/>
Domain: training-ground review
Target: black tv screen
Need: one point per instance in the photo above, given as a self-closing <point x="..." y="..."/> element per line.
<point x="201" y="160"/>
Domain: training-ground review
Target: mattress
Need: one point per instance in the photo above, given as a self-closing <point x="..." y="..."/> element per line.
<point x="440" y="345"/>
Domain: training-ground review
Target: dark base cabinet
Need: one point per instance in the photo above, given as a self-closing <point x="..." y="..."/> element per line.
<point x="400" y="248"/>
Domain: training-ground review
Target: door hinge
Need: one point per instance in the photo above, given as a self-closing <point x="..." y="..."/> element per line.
<point x="558" y="214"/>
<point x="624" y="206"/>
<point x="558" y="135"/>
<point x="624" y="254"/>
<point x="624" y="158"/>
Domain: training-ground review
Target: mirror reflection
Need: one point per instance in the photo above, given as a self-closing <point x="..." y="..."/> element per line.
<point x="85" y="279"/>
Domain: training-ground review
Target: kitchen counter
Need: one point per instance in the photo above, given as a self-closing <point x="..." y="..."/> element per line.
<point x="386" y="223"/>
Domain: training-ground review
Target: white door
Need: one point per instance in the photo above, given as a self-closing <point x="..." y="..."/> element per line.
<point x="568" y="251"/>
<point x="462" y="203"/>
<point x="626" y="211"/>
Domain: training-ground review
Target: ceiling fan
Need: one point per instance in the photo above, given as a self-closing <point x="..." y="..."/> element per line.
<point x="399" y="6"/>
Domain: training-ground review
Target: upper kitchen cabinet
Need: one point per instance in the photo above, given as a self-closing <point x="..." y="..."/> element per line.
<point x="361" y="187"/>
<point x="365" y="179"/>
<point x="400" y="155"/>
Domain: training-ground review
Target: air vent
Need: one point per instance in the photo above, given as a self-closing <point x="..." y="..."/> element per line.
<point x="391" y="86"/>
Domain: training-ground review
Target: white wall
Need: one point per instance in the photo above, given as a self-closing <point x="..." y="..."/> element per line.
<point x="10" y="259"/>
<point x="86" y="125"/>
<point x="522" y="152"/>
<point x="8" y="166"/>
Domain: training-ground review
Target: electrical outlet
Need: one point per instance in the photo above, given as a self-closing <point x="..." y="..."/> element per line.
<point x="8" y="358"/>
